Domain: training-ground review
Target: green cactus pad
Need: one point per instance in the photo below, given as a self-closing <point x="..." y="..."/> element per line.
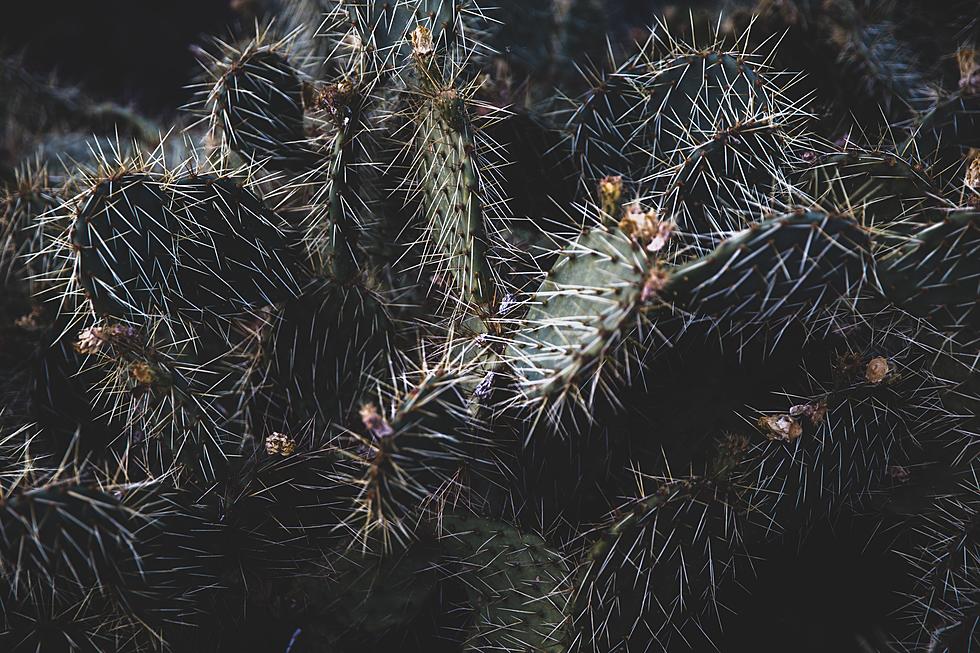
<point x="259" y="106"/>
<point x="415" y="451"/>
<point x="518" y="585"/>
<point x="237" y="255"/>
<point x="885" y="191"/>
<point x="367" y="596"/>
<point x="584" y="309"/>
<point x="786" y="266"/>
<point x="937" y="274"/>
<point x="652" y="574"/>
<point x="319" y="352"/>
<point x="447" y="167"/>
<point x="127" y="251"/>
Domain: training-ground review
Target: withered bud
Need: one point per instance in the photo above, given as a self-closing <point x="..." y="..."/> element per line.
<point x="91" y="340"/>
<point x="972" y="178"/>
<point x="279" y="443"/>
<point x="784" y="428"/>
<point x="645" y="227"/>
<point x="422" y="44"/>
<point x="969" y="70"/>
<point x="610" y="192"/>
<point x="143" y="373"/>
<point x="335" y="99"/>
<point x="655" y="282"/>
<point x="814" y="412"/>
<point x="877" y="370"/>
<point x="374" y="422"/>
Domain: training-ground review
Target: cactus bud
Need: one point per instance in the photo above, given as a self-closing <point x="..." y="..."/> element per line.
<point x="780" y="427"/>
<point x="969" y="71"/>
<point x="645" y="227"/>
<point x="335" y="100"/>
<point x="143" y="373"/>
<point x="422" y="44"/>
<point x="877" y="370"/>
<point x="280" y="444"/>
<point x="610" y="193"/>
<point x="972" y="178"/>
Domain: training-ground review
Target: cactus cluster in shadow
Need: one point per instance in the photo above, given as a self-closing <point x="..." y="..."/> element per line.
<point x="546" y="327"/>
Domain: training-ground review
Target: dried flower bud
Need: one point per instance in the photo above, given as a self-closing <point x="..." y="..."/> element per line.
<point x="279" y="443"/>
<point x="374" y="422"/>
<point x="814" y="412"/>
<point x="877" y="370"/>
<point x="780" y="427"/>
<point x="972" y="178"/>
<point x="655" y="282"/>
<point x="969" y="70"/>
<point x="92" y="340"/>
<point x="610" y="192"/>
<point x="645" y="227"/>
<point x="335" y="100"/>
<point x="422" y="45"/>
<point x="143" y="373"/>
<point x="89" y="341"/>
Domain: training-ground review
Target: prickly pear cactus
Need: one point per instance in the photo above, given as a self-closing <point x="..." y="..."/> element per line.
<point x="409" y="335"/>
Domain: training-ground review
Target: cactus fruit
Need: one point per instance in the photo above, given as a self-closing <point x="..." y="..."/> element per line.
<point x="439" y="334"/>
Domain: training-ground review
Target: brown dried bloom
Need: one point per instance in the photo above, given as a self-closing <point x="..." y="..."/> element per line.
<point x="89" y="341"/>
<point x="374" y="422"/>
<point x="969" y="70"/>
<point x="610" y="192"/>
<point x="93" y="339"/>
<point x="645" y="227"/>
<point x="780" y="427"/>
<point x="335" y="99"/>
<point x="142" y="373"/>
<point x="877" y="370"/>
<point x="972" y="178"/>
<point x="422" y="44"/>
<point x="279" y="443"/>
<point x="815" y="412"/>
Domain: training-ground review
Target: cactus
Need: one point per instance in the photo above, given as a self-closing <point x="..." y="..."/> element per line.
<point x="301" y="379"/>
<point x="920" y="275"/>
<point x="517" y="585"/>
<point x="257" y="103"/>
<point x="126" y="248"/>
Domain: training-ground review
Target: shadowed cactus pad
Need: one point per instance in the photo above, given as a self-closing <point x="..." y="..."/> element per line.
<point x="126" y="247"/>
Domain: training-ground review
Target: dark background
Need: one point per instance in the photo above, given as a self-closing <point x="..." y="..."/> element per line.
<point x="132" y="51"/>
